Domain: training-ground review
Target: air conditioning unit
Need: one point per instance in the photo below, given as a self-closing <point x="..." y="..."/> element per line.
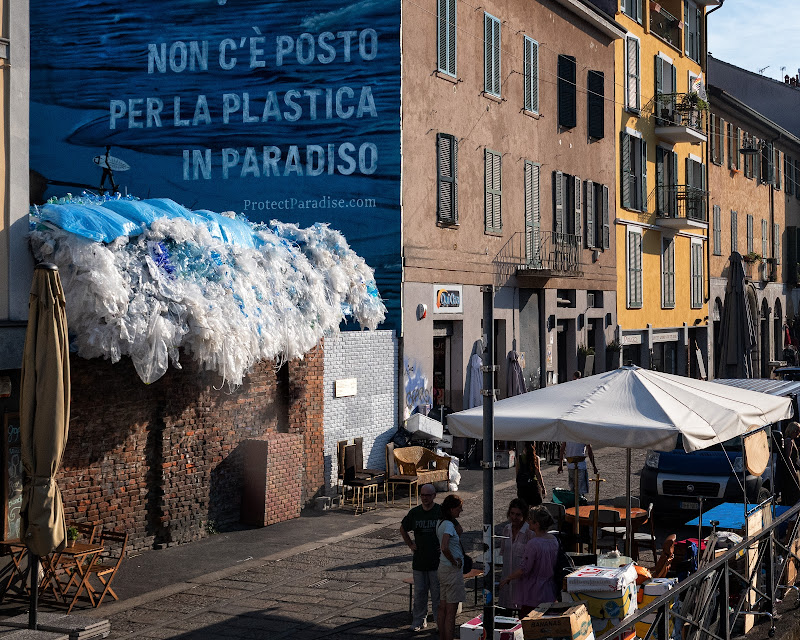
<point x="590" y="300"/>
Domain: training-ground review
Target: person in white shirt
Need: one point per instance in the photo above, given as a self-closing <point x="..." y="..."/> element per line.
<point x="576" y="453"/>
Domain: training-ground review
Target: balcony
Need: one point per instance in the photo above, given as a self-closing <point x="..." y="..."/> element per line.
<point x="680" y="117"/>
<point x="539" y="254"/>
<point x="758" y="269"/>
<point x="678" y="206"/>
<point x="665" y="25"/>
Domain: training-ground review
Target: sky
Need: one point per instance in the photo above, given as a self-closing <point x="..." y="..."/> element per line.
<point x="754" y="34"/>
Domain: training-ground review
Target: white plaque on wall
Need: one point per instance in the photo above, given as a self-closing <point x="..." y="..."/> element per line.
<point x="346" y="387"/>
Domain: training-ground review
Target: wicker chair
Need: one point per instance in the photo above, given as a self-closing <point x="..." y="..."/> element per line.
<point x="423" y="463"/>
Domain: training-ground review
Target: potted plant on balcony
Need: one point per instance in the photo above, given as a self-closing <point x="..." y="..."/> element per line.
<point x="692" y="102"/>
<point x="751" y="257"/>
<point x="612" y="355"/>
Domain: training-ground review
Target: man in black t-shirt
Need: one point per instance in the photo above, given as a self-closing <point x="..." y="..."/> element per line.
<point x="422" y="520"/>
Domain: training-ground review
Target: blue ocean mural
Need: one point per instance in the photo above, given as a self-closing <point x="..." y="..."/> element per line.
<point x="277" y="110"/>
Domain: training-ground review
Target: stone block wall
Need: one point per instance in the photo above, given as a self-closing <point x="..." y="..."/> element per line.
<point x="163" y="461"/>
<point x="372" y="358"/>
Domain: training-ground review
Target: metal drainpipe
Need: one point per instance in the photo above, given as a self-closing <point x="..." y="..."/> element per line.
<point x="704" y="69"/>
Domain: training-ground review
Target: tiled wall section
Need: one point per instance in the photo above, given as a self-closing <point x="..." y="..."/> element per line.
<point x="371" y="357"/>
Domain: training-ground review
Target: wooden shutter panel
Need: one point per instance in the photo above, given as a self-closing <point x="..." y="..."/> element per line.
<point x="631" y="74"/>
<point x="644" y="175"/>
<point x="451" y="36"/>
<point x="791" y="253"/>
<point x="487" y="213"/>
<point x="659" y="75"/>
<point x="588" y="206"/>
<point x="578" y="213"/>
<point x="737" y="152"/>
<point x="717" y="222"/>
<point x="764" y="238"/>
<point x="558" y="201"/>
<point x="661" y="187"/>
<point x="442" y="35"/>
<point x="487" y="54"/>
<point x="532" y="213"/>
<point x="533" y="77"/>
<point x="776" y="241"/>
<point x="567" y="92"/>
<point x="606" y="221"/>
<point x="596" y="104"/>
<point x="447" y="201"/>
<point x="496" y="56"/>
<point x="497" y="160"/>
<point x="626" y="170"/>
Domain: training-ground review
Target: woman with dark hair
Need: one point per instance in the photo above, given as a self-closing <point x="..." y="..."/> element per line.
<point x="538" y="564"/>
<point x="516" y="535"/>
<point x="530" y="484"/>
<point x="451" y="561"/>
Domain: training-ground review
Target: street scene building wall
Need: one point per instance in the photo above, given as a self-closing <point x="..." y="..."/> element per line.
<point x="367" y="363"/>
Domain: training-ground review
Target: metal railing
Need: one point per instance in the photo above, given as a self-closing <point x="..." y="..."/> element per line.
<point x="679" y="201"/>
<point x="704" y="606"/>
<point x="533" y="250"/>
<point x="679" y="110"/>
<point x="665" y="26"/>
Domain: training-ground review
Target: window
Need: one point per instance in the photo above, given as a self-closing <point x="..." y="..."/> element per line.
<point x="692" y="17"/>
<point x="717" y="230"/>
<point x="748" y="142"/>
<point x="717" y="132"/>
<point x="634" y="259"/>
<point x="634" y="172"/>
<point x="595" y="106"/>
<point x="633" y="75"/>
<point x="666" y="182"/>
<point x="447" y="179"/>
<point x="567" y="202"/>
<point x="764" y="238"/>
<point x="533" y="214"/>
<point x="668" y="273"/>
<point x="491" y="55"/>
<point x="493" y="221"/>
<point x="777" y="160"/>
<point x="797" y="179"/>
<point x="695" y="190"/>
<point x="666" y="83"/>
<point x="567" y="94"/>
<point x="776" y="243"/>
<point x="734" y="232"/>
<point x="446" y="37"/>
<point x="595" y="204"/>
<point x="766" y="172"/>
<point x="632" y="9"/>
<point x="787" y="171"/>
<point x="749" y="233"/>
<point x="531" y="57"/>
<point x="697" y="274"/>
<point x="734" y="144"/>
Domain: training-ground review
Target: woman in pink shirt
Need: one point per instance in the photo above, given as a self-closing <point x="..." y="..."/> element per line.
<point x="535" y="576"/>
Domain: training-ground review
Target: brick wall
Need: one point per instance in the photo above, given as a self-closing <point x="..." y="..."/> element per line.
<point x="161" y="461"/>
<point x="372" y="358"/>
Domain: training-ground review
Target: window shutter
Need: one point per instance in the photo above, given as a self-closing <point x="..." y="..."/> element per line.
<point x="661" y="190"/>
<point x="451" y="36"/>
<point x="787" y="171"/>
<point x="731" y="164"/>
<point x="596" y="104"/>
<point x="491" y="54"/>
<point x="791" y="253"/>
<point x="633" y="75"/>
<point x="797" y="179"/>
<point x="626" y="170"/>
<point x="578" y="214"/>
<point x="734" y="232"/>
<point x="531" y="75"/>
<point x="588" y="206"/>
<point x="558" y="201"/>
<point x="487" y="213"/>
<point x="764" y="239"/>
<point x="749" y="233"/>
<point x="717" y="230"/>
<point x="634" y="269"/>
<point x="777" y="162"/>
<point x="497" y="167"/>
<point x="492" y="217"/>
<point x="673" y="183"/>
<point x="567" y="92"/>
<point x="606" y="222"/>
<point x="659" y="79"/>
<point x="777" y="243"/>
<point x="532" y="213"/>
<point x="447" y="163"/>
<point x="737" y="152"/>
<point x="644" y="175"/>
<point x="721" y="141"/>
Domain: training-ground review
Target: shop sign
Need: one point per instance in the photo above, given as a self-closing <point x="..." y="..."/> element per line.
<point x="346" y="387"/>
<point x="634" y="339"/>
<point x="447" y="298"/>
<point x="668" y="336"/>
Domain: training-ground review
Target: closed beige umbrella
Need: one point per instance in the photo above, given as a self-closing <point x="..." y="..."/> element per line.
<point x="44" y="416"/>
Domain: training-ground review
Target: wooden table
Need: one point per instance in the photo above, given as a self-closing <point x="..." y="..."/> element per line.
<point x="84" y="556"/>
<point x="17" y="551"/>
<point x="638" y="516"/>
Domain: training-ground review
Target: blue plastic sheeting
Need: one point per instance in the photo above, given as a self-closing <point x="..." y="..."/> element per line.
<point x="731" y="515"/>
<point x="138" y="212"/>
<point x="90" y="221"/>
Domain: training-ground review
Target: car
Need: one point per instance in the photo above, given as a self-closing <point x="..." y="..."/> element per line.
<point x="788" y="373"/>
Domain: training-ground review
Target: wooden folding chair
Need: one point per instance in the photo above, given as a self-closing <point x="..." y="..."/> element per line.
<point x="87" y="531"/>
<point x="106" y="567"/>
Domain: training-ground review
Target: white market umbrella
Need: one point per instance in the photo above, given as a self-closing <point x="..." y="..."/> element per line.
<point x="629" y="407"/>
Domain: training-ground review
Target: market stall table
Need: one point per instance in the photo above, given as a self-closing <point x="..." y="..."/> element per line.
<point x="638" y="516"/>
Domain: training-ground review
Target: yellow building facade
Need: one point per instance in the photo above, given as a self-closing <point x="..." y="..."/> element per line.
<point x="662" y="198"/>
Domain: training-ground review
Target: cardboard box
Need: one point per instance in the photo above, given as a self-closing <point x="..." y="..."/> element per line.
<point x="504" y="459"/>
<point x="504" y="629"/>
<point x="558" y="620"/>
<point x="651" y="590"/>
<point x="594" y="578"/>
<point x="606" y="605"/>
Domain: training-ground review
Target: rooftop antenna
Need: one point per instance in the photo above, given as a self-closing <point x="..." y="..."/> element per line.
<point x="763" y="69"/>
<point x="783" y="71"/>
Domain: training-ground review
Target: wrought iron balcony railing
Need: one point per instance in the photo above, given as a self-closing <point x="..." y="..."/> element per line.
<point x="679" y="201"/>
<point x="540" y="253"/>
<point x="665" y="25"/>
<point x="679" y="110"/>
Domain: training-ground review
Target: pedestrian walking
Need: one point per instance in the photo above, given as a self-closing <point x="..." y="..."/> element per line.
<point x="516" y="535"/>
<point x="451" y="562"/>
<point x="576" y="454"/>
<point x="422" y="521"/>
<point x="530" y="484"/>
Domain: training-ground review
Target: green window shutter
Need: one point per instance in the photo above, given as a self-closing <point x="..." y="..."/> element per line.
<point x="749" y="233"/>
<point x="532" y="213"/>
<point x="778" y="162"/>
<point x="492" y="218"/>
<point x="633" y="75"/>
<point x="696" y="275"/>
<point x="558" y="201"/>
<point x="588" y="206"/>
<point x="764" y="239"/>
<point x="737" y="153"/>
<point x="446" y="36"/>
<point x="531" y="72"/>
<point x="567" y="92"/>
<point x="776" y="249"/>
<point x="634" y="270"/>
<point x="659" y="76"/>
<point x="606" y="221"/>
<point x="734" y="232"/>
<point x="447" y="178"/>
<point x="577" y="212"/>
<point x="491" y="55"/>
<point x="644" y="175"/>
<point x="730" y="138"/>
<point x="717" y="222"/>
<point x="596" y="104"/>
<point x="626" y="170"/>
<point x="722" y="138"/>
<point x="661" y="190"/>
<point x="667" y="273"/>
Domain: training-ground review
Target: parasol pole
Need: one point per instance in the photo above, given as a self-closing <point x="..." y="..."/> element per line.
<point x="628" y="523"/>
<point x="576" y="501"/>
<point x="488" y="393"/>
<point x="33" y="566"/>
<point x="597" y="480"/>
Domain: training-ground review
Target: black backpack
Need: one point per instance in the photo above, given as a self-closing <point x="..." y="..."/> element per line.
<point x="564" y="566"/>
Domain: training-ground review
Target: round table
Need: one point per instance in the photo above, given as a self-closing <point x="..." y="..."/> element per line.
<point x="638" y="515"/>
